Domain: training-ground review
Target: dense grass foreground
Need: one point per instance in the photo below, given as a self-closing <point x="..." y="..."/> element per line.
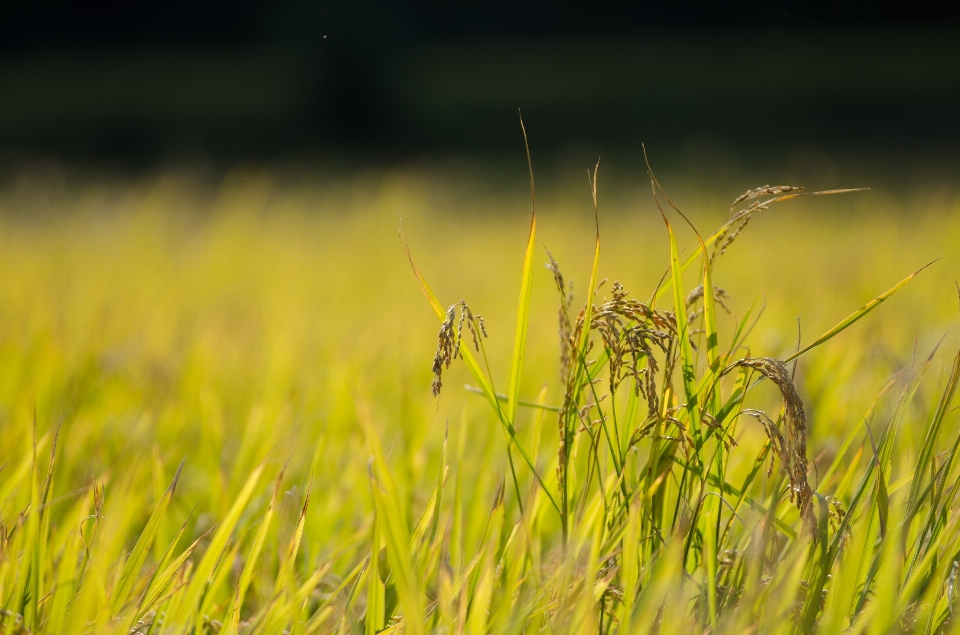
<point x="669" y="477"/>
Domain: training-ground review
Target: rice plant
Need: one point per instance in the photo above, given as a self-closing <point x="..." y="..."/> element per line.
<point x="660" y="532"/>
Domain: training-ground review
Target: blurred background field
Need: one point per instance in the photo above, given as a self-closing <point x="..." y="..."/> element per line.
<point x="176" y="316"/>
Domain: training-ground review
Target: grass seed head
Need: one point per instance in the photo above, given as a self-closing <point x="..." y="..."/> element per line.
<point x="792" y="449"/>
<point x="564" y="329"/>
<point x="765" y="190"/>
<point x="719" y="296"/>
<point x="450" y="339"/>
<point x="741" y="218"/>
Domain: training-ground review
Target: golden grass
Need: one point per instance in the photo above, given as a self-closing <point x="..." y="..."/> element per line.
<point x="259" y="323"/>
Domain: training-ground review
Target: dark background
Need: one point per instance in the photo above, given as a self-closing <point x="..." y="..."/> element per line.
<point x="241" y="80"/>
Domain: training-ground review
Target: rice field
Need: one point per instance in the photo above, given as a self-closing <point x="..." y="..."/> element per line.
<point x="224" y="407"/>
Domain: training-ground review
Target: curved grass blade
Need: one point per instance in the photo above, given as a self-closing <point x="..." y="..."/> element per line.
<point x="28" y="591"/>
<point x="859" y="313"/>
<point x="286" y="613"/>
<point x="373" y="620"/>
<point x="36" y="530"/>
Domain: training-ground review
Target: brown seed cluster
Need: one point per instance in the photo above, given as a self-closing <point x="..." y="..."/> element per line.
<point x="792" y="449"/>
<point x="719" y="296"/>
<point x="449" y="340"/>
<point x="742" y="217"/>
<point x="565" y="329"/>
<point x="629" y="330"/>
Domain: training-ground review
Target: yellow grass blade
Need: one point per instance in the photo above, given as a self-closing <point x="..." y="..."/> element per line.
<point x="163" y="574"/>
<point x="710" y="520"/>
<point x="11" y="479"/>
<point x="205" y="568"/>
<point x="134" y="562"/>
<point x="710" y="315"/>
<point x="252" y="556"/>
<point x="397" y="539"/>
<point x="683" y="336"/>
<point x="285" y="575"/>
<point x="594" y="272"/>
<point x="374" y="618"/>
<point x="925" y="457"/>
<point x="523" y="305"/>
<point x="395" y="533"/>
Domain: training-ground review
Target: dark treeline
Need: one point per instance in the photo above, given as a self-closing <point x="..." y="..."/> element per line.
<point x="257" y="79"/>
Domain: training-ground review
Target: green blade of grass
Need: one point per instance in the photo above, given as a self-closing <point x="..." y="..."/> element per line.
<point x="890" y="431"/>
<point x="630" y="567"/>
<point x="373" y="621"/>
<point x="441" y="479"/>
<point x="727" y="488"/>
<point x="936" y="515"/>
<point x="87" y="539"/>
<point x="36" y="531"/>
<point x="395" y="532"/>
<point x="925" y="458"/>
<point x="520" y="402"/>
<point x="13" y="477"/>
<point x="286" y="571"/>
<point x="161" y="582"/>
<point x="581" y="374"/>
<point x="883" y="500"/>
<point x="859" y="313"/>
<point x="880" y="461"/>
<point x="710" y="314"/>
<point x="209" y="600"/>
<point x="286" y="613"/>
